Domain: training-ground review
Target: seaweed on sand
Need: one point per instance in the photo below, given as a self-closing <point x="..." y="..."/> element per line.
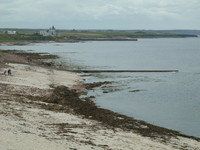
<point x="87" y="108"/>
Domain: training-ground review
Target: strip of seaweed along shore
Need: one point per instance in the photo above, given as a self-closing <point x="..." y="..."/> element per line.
<point x="86" y="107"/>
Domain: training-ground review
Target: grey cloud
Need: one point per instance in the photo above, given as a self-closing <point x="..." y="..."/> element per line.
<point x="126" y="14"/>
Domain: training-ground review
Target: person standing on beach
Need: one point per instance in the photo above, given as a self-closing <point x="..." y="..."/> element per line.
<point x="9" y="72"/>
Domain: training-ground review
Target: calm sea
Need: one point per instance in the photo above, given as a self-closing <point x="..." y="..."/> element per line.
<point x="170" y="100"/>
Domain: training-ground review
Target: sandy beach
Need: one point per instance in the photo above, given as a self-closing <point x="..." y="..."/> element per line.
<point x="26" y="124"/>
<point x="41" y="109"/>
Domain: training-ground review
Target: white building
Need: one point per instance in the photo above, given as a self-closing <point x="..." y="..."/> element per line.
<point x="11" y="32"/>
<point x="50" y="32"/>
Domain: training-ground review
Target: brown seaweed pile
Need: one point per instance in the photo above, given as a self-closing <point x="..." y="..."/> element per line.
<point x="15" y="56"/>
<point x="87" y="108"/>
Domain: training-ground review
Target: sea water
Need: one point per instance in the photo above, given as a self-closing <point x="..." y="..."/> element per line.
<point x="170" y="99"/>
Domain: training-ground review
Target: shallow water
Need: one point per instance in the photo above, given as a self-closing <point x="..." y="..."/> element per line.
<point x="167" y="99"/>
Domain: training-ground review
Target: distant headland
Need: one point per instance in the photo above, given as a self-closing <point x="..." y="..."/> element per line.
<point x="62" y="35"/>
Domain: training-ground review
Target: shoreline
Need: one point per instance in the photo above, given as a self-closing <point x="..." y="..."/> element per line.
<point x="54" y="99"/>
<point x="76" y="40"/>
<point x="21" y="43"/>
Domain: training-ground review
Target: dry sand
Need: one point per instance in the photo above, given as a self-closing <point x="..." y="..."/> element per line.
<point x="38" y="77"/>
<point x="25" y="125"/>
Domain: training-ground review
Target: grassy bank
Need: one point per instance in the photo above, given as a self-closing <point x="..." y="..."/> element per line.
<point x="122" y="34"/>
<point x="21" y="38"/>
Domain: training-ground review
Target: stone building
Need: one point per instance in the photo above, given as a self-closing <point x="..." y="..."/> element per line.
<point x="50" y="32"/>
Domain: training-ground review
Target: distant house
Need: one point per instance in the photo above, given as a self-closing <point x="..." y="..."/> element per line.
<point x="10" y="32"/>
<point x="50" y="32"/>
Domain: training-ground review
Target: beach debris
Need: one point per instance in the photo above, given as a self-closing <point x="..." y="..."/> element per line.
<point x="90" y="86"/>
<point x="135" y="90"/>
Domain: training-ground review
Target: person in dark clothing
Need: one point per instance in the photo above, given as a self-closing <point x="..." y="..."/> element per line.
<point x="9" y="72"/>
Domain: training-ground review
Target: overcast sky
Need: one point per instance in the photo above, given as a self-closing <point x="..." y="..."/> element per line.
<point x="100" y="14"/>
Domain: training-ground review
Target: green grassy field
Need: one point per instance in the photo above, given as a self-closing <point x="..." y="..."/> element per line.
<point x="119" y="34"/>
<point x="21" y="38"/>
